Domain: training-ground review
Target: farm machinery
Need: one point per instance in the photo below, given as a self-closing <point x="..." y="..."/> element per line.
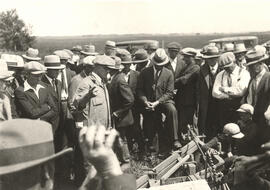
<point x="187" y="167"/>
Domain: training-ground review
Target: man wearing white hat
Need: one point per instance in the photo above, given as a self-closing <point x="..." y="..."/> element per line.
<point x="33" y="100"/>
<point x="248" y="145"/>
<point x="110" y="48"/>
<point x="206" y="103"/>
<point x="258" y="91"/>
<point x="31" y="55"/>
<point x="155" y="91"/>
<point x="230" y="86"/>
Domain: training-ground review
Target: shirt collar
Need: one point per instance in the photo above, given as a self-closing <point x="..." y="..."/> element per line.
<point x="49" y="79"/>
<point x="236" y="70"/>
<point x="28" y="87"/>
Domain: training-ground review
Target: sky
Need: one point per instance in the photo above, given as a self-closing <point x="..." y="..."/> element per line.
<point x="86" y="17"/>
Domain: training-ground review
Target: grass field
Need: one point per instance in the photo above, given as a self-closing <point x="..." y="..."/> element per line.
<point x="47" y="45"/>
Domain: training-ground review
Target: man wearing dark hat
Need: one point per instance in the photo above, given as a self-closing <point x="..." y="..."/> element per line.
<point x="155" y="91"/>
<point x="229" y="88"/>
<point x="258" y="91"/>
<point x="33" y="100"/>
<point x="141" y="59"/>
<point x="207" y="104"/>
<point x="185" y="84"/>
<point x="121" y="101"/>
<point x="176" y="63"/>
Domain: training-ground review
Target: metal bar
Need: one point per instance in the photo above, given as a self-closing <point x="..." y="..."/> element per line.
<point x="175" y="167"/>
<point x="164" y="171"/>
<point x="142" y="181"/>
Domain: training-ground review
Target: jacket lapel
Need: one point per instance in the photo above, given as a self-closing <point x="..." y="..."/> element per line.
<point x="205" y="72"/>
<point x="261" y="83"/>
<point x="32" y="94"/>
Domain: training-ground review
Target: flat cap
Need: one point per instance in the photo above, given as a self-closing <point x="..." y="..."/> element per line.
<point x="62" y="54"/>
<point x="246" y="108"/>
<point x="174" y="46"/>
<point x="233" y="130"/>
<point x="227" y="59"/>
<point x="35" y="67"/>
<point x="104" y="60"/>
<point x="88" y="60"/>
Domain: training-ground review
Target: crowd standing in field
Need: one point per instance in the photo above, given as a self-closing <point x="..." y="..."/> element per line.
<point x="149" y="96"/>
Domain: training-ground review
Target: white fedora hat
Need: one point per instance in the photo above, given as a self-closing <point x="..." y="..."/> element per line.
<point x="31" y="54"/>
<point x="53" y="62"/>
<point x="160" y="57"/>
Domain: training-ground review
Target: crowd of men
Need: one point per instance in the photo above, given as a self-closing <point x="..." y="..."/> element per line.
<point x="151" y="93"/>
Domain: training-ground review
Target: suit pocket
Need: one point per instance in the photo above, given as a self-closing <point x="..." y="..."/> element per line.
<point x="97" y="101"/>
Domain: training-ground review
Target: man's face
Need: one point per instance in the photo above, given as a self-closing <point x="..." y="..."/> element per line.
<point x="34" y="79"/>
<point x="88" y="69"/>
<point x="255" y="69"/>
<point x="188" y="59"/>
<point x="110" y="51"/>
<point x="158" y="67"/>
<point x="126" y="67"/>
<point x="63" y="61"/>
<point x="140" y="66"/>
<point x="230" y="68"/>
<point x="244" y="116"/>
<point x="172" y="53"/>
<point x="53" y="73"/>
<point x="212" y="61"/>
<point x="240" y="56"/>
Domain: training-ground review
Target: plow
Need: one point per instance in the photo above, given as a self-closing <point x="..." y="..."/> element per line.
<point x="187" y="168"/>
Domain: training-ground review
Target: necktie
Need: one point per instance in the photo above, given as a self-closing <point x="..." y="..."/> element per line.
<point x="229" y="80"/>
<point x="54" y="85"/>
<point x="254" y="93"/>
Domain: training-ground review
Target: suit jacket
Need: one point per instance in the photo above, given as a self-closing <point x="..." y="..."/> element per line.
<point x="163" y="91"/>
<point x="180" y="66"/>
<point x="186" y="86"/>
<point x="204" y="94"/>
<point x="32" y="107"/>
<point x="133" y="80"/>
<point x="121" y="99"/>
<point x="70" y="75"/>
<point x="263" y="101"/>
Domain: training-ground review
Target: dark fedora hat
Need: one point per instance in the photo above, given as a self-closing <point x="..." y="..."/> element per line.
<point x="140" y="56"/>
<point x="26" y="143"/>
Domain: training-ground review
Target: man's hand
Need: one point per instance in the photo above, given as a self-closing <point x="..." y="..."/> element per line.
<point x="147" y="105"/>
<point x="154" y="104"/>
<point x="97" y="149"/>
<point x="93" y="92"/>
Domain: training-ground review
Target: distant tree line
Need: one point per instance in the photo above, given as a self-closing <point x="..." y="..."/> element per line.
<point x="15" y="35"/>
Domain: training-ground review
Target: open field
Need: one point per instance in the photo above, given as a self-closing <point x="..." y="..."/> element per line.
<point x="49" y="44"/>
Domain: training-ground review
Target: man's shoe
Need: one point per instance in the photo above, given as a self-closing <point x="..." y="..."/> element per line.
<point x="177" y="144"/>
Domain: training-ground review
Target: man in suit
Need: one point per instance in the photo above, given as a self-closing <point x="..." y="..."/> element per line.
<point x="131" y="77"/>
<point x="33" y="100"/>
<point x="121" y="101"/>
<point x="176" y="63"/>
<point x="258" y="91"/>
<point x="186" y="90"/>
<point x="206" y="103"/>
<point x="155" y="91"/>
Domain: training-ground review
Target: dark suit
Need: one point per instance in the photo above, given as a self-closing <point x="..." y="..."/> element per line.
<point x="263" y="101"/>
<point x="186" y="95"/>
<point x="207" y="113"/>
<point x="180" y="65"/>
<point x="161" y="90"/>
<point x="121" y="99"/>
<point x="32" y="107"/>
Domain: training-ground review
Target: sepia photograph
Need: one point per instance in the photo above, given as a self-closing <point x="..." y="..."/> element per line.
<point x="135" y="95"/>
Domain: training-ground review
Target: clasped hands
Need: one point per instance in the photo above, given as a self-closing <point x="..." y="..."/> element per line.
<point x="151" y="105"/>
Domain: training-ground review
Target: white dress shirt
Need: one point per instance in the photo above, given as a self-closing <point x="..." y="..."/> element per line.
<point x="126" y="76"/>
<point x="239" y="83"/>
<point x="173" y="63"/>
<point x="28" y="87"/>
<point x="257" y="79"/>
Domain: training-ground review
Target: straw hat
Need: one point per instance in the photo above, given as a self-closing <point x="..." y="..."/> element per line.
<point x="14" y="61"/>
<point x="31" y="54"/>
<point x="5" y="74"/>
<point x="240" y="48"/>
<point x="53" y="62"/>
<point x="89" y="50"/>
